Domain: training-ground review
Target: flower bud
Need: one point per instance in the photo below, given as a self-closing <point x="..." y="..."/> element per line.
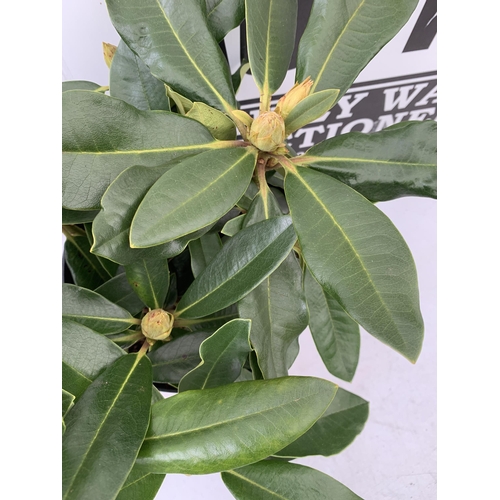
<point x="108" y="50"/>
<point x="157" y="324"/>
<point x="267" y="132"/>
<point x="296" y="94"/>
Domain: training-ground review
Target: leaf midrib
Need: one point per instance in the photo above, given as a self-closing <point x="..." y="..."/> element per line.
<point x="207" y="145"/>
<point x="332" y="159"/>
<point x="119" y="320"/>
<point x="256" y="484"/>
<point x="85" y="456"/>
<point x="327" y="60"/>
<point x="243" y="417"/>
<point x="224" y="103"/>
<point x="238" y="272"/>
<point x="357" y="256"/>
<point x="190" y="200"/>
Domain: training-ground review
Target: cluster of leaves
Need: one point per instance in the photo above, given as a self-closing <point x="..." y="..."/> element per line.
<point x="163" y="208"/>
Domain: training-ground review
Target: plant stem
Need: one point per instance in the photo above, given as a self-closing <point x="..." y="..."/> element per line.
<point x="144" y="349"/>
<point x="287" y="164"/>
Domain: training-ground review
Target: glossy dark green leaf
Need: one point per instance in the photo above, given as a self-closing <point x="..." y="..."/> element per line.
<point x="150" y="280"/>
<point x="231" y="227"/>
<point x="206" y="187"/>
<point x="85" y="354"/>
<point x="94" y="311"/>
<point x="254" y="365"/>
<point x="242" y="264"/>
<point x="245" y="376"/>
<point x="219" y="125"/>
<point x="397" y="161"/>
<point x="119" y="291"/>
<point x="183" y="104"/>
<point x="79" y="85"/>
<point x="174" y="359"/>
<point x="309" y="109"/>
<point x="109" y="266"/>
<point x="222" y="357"/>
<point x="120" y="202"/>
<point x="342" y="36"/>
<point x="335" y="333"/>
<point x="223" y="16"/>
<point x="103" y="136"/>
<point x="200" y="432"/>
<point x="336" y="429"/>
<point x="78" y="216"/>
<point x="246" y="200"/>
<point x="203" y="250"/>
<point x="68" y="400"/>
<point x="271" y="26"/>
<point x="105" y="430"/>
<point x="277" y="306"/>
<point x="85" y="267"/>
<point x="360" y="258"/>
<point x="131" y="81"/>
<point x="273" y="479"/>
<point x="173" y="39"/>
<point x="140" y="485"/>
<point x="214" y="321"/>
<point x="237" y="76"/>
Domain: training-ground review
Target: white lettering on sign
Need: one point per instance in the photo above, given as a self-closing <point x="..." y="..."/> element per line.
<point x="346" y="104"/>
<point x="404" y="97"/>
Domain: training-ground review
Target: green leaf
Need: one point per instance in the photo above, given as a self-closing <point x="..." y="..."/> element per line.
<point x="140" y="485"/>
<point x="342" y="36"/>
<point x="103" y="136"/>
<point x="222" y="357"/>
<point x="150" y="280"/>
<point x="85" y="268"/>
<point x="397" y="161"/>
<point x="254" y="366"/>
<point x="273" y="479"/>
<point x="336" y="429"/>
<point x="335" y="333"/>
<point x="277" y="306"/>
<point x="85" y="354"/>
<point x="79" y="85"/>
<point x="173" y="39"/>
<point x="174" y="359"/>
<point x="242" y="264"/>
<point x="220" y="126"/>
<point x="68" y="400"/>
<point x="224" y="15"/>
<point x="237" y="76"/>
<point x="203" y="250"/>
<point x="246" y="200"/>
<point x="271" y="26"/>
<point x="120" y="203"/>
<point x="200" y="432"/>
<point x="214" y="321"/>
<point x="131" y="81"/>
<point x="119" y="291"/>
<point x="182" y="103"/>
<point x="231" y="227"/>
<point x="360" y="259"/>
<point x="309" y="109"/>
<point x="94" y="311"/>
<point x="206" y="187"/>
<point x="78" y="216"/>
<point x="105" y="430"/>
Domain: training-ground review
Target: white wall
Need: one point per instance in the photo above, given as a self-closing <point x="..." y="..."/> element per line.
<point x="395" y="456"/>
